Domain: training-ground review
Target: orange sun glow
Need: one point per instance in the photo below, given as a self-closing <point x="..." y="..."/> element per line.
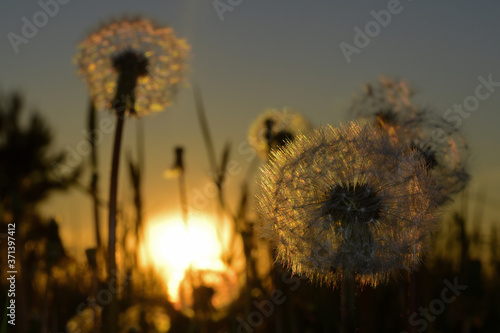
<point x="172" y="248"/>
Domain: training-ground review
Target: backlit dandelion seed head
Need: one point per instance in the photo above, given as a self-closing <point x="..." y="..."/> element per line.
<point x="208" y="293"/>
<point x="177" y="168"/>
<point x="386" y="98"/>
<point x="387" y="105"/>
<point x="347" y="201"/>
<point x="154" y="56"/>
<point x="274" y="128"/>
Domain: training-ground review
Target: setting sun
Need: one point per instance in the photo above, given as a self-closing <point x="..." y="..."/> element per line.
<point x="172" y="248"/>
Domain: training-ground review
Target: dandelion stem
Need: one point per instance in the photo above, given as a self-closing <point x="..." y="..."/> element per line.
<point x="179" y="165"/>
<point x="182" y="193"/>
<point x="136" y="179"/>
<point x="95" y="175"/>
<point x="140" y="144"/>
<point x="113" y="191"/>
<point x="347" y="303"/>
<point x="139" y="201"/>
<point x="413" y="299"/>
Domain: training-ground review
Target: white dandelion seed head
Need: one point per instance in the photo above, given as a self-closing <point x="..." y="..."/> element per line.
<point x="158" y="48"/>
<point x="274" y="128"/>
<point x="387" y="105"/>
<point x="349" y="200"/>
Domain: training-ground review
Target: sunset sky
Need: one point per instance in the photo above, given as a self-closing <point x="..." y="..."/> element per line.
<point x="256" y="55"/>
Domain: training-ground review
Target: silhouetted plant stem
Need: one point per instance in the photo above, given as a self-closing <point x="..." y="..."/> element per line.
<point x="347" y="303"/>
<point x="95" y="175"/>
<point x="139" y="219"/>
<point x="95" y="203"/>
<point x="113" y="191"/>
<point x="140" y="143"/>
<point x="403" y="291"/>
<point x="200" y="110"/>
<point x="91" y="255"/>
<point x="139" y="201"/>
<point x="216" y="173"/>
<point x="413" y="299"/>
<point x="182" y="184"/>
<point x="136" y="180"/>
<point x="47" y="303"/>
<point x="182" y="193"/>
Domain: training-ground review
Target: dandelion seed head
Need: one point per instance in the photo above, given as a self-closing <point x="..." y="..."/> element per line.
<point x="352" y="203"/>
<point x="274" y="128"/>
<point x="348" y="200"/>
<point x="208" y="294"/>
<point x="387" y="105"/>
<point x="177" y="168"/>
<point x="387" y="97"/>
<point x="153" y="58"/>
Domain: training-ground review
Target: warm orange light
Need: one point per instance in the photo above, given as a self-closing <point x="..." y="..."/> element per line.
<point x="172" y="247"/>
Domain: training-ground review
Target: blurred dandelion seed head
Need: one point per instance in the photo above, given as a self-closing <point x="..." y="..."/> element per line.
<point x="385" y="97"/>
<point x="208" y="293"/>
<point x="349" y="200"/>
<point x="275" y="128"/>
<point x="177" y="168"/>
<point x="152" y="59"/>
<point x="427" y="153"/>
<point x="387" y="105"/>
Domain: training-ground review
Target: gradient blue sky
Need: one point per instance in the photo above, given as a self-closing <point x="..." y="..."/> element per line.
<point x="263" y="54"/>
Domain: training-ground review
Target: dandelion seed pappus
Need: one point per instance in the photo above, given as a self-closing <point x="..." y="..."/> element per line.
<point x="347" y="201"/>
